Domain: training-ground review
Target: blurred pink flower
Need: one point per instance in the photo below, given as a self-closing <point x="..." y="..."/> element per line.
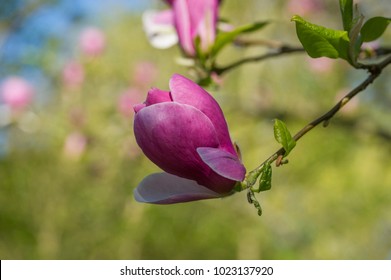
<point x="75" y="145"/>
<point x="321" y="65"/>
<point x="126" y="101"/>
<point x="304" y="7"/>
<point x="145" y="73"/>
<point x="16" y="92"/>
<point x="92" y="41"/>
<point x="73" y="74"/>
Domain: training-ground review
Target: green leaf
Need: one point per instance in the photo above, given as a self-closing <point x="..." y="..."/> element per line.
<point x="283" y="136"/>
<point x="374" y="28"/>
<point x="265" y="182"/>
<point x="319" y="41"/>
<point x="346" y="7"/>
<point x="225" y="38"/>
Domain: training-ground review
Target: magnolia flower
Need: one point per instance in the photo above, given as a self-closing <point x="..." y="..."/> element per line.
<point x="195" y="19"/>
<point x="16" y="92"/>
<point x="92" y="41"/>
<point x="187" y="20"/>
<point x="184" y="132"/>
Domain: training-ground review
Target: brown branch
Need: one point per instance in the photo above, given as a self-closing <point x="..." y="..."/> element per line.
<point x="374" y="70"/>
<point x="284" y="49"/>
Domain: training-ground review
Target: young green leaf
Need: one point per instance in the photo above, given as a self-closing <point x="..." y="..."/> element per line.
<point x="346" y="7"/>
<point x="265" y="182"/>
<point x="319" y="41"/>
<point x="374" y="28"/>
<point x="283" y="136"/>
<point x="225" y="38"/>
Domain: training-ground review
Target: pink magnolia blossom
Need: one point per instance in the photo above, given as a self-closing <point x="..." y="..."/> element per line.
<point x="184" y="132"/>
<point x="73" y="74"/>
<point x="92" y="41"/>
<point x="192" y="19"/>
<point x="16" y="92"/>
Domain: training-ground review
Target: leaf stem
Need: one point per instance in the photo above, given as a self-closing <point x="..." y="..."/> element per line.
<point x="283" y="49"/>
<point x="375" y="70"/>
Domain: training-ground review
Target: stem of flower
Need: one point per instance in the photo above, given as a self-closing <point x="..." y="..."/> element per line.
<point x="375" y="70"/>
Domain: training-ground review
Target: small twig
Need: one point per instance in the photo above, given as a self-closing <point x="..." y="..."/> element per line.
<point x="374" y="70"/>
<point x="284" y="49"/>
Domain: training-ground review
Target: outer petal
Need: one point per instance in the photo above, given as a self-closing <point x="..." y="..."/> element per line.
<point x="223" y="163"/>
<point x="187" y="92"/>
<point x="182" y="19"/>
<point x="169" y="134"/>
<point x="164" y="188"/>
<point x="157" y="96"/>
<point x="203" y="21"/>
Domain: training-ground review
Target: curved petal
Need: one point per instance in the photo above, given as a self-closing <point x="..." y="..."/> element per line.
<point x="183" y="26"/>
<point x="169" y="134"/>
<point x="159" y="28"/>
<point x="185" y="91"/>
<point x="203" y="21"/>
<point x="157" y="96"/>
<point x="223" y="163"/>
<point x="164" y="188"/>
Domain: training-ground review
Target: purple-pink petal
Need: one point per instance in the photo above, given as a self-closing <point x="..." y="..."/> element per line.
<point x="169" y="134"/>
<point x="183" y="25"/>
<point x="157" y="96"/>
<point x="223" y="163"/>
<point x="187" y="92"/>
<point x="164" y="188"/>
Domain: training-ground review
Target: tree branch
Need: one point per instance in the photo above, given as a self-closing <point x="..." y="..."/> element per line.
<point x="283" y="49"/>
<point x="374" y="70"/>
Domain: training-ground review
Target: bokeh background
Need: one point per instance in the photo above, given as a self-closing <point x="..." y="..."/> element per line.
<point x="69" y="161"/>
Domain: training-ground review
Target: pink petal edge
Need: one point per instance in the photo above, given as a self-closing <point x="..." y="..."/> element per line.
<point x="165" y="188"/>
<point x="223" y="163"/>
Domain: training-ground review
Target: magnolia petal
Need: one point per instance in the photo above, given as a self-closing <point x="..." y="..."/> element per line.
<point x="157" y="96"/>
<point x="164" y="188"/>
<point x="160" y="29"/>
<point x="223" y="163"/>
<point x="169" y="134"/>
<point x="186" y="91"/>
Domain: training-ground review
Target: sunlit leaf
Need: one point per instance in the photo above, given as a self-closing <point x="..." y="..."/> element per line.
<point x="319" y="41"/>
<point x="374" y="28"/>
<point x="283" y="136"/>
<point x="265" y="181"/>
<point x="346" y="7"/>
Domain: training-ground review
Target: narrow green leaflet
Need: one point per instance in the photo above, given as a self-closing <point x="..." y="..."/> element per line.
<point x="265" y="182"/>
<point x="225" y="38"/>
<point x="319" y="41"/>
<point x="283" y="136"/>
<point x="346" y="7"/>
<point x="373" y="28"/>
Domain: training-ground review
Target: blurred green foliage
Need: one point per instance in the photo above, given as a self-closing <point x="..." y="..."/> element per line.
<point x="332" y="201"/>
